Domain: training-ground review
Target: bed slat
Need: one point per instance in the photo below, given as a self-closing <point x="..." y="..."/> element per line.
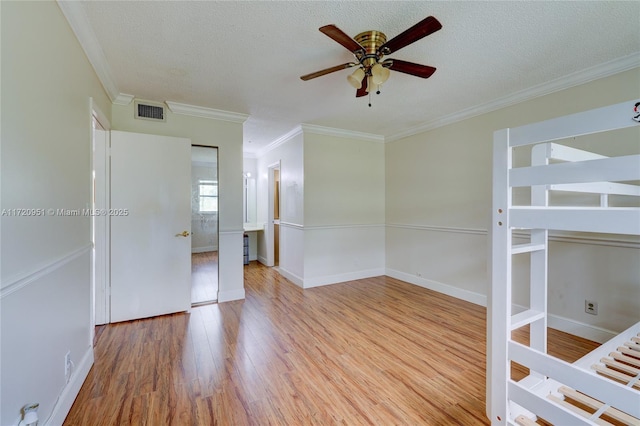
<point x="543" y="407"/>
<point x="624" y="358"/>
<point x="620" y="366"/>
<point x="577" y="410"/>
<point x="525" y="421"/>
<point x="614" y="413"/>
<point x="624" y="378"/>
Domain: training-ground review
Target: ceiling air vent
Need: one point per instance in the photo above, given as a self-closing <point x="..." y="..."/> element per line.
<point x="149" y="111"/>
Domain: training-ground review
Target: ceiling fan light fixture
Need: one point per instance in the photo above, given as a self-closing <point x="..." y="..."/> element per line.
<point x="355" y="79"/>
<point x="369" y="49"/>
<point x="370" y="84"/>
<point x="379" y="74"/>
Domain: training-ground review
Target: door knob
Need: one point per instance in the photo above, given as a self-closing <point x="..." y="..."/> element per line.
<point x="183" y="234"/>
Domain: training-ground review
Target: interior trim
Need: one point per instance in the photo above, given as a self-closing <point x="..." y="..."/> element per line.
<point x="20" y="281"/>
<point x="341" y="133"/>
<point x="580" y="77"/>
<point x="231" y="232"/>
<point x="79" y="23"/>
<point x="323" y="280"/>
<point x="449" y="290"/>
<point x="71" y="389"/>
<point x="203" y="112"/>
<point x="281" y="140"/>
<point x="123" y="99"/>
<point x="476" y="231"/>
<point x="327" y="227"/>
<point x="573" y="239"/>
<point x="345" y="226"/>
<point x="291" y="225"/>
<point x="577" y="328"/>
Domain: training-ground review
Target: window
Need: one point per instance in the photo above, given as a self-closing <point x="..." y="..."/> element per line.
<point x="208" y="196"/>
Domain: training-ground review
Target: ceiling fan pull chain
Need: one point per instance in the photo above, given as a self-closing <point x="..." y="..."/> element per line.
<point x="369" y="99"/>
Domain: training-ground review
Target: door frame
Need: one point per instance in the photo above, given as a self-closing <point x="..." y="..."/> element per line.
<point x="99" y="152"/>
<point x="217" y="223"/>
<point x="270" y="219"/>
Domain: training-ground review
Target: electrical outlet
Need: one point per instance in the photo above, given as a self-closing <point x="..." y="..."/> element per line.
<point x="591" y="307"/>
<point x="67" y="365"/>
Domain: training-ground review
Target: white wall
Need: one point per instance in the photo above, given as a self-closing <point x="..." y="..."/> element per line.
<point x="292" y="190"/>
<point x="344" y="208"/>
<point x="227" y="137"/>
<point x="438" y="205"/>
<point x="332" y="207"/>
<point x="45" y="293"/>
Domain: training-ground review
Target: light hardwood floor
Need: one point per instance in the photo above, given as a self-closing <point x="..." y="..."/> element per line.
<point x="374" y="351"/>
<point x="204" y="277"/>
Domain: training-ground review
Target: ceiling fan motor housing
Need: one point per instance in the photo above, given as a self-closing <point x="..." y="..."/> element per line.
<point x="371" y="42"/>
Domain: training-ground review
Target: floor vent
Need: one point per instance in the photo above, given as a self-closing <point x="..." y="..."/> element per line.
<point x="149" y="111"/>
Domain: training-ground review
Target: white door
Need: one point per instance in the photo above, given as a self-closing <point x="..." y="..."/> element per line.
<point x="150" y="225"/>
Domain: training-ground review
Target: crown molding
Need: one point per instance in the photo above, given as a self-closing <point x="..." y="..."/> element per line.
<point x="606" y="69"/>
<point x="203" y="112"/>
<point x="123" y="99"/>
<point x="79" y="23"/>
<point x="282" y="139"/>
<point x="341" y="133"/>
<point x="319" y="130"/>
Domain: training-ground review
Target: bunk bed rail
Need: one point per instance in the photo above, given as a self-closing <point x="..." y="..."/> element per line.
<point x="597" y="120"/>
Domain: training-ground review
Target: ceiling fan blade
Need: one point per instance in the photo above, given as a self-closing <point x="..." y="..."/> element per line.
<point x="328" y="71"/>
<point x="418" y="70"/>
<point x="341" y="37"/>
<point x="362" y="91"/>
<point x="428" y="25"/>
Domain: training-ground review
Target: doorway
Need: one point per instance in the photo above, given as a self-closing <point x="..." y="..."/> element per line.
<point x="204" y="225"/>
<point x="274" y="213"/>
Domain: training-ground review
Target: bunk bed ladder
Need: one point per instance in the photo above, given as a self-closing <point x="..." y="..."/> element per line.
<point x="537" y="248"/>
<point x="540" y="155"/>
<point x="540" y="392"/>
<point x="499" y="302"/>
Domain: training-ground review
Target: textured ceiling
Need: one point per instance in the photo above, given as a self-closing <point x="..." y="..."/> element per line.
<point x="246" y="56"/>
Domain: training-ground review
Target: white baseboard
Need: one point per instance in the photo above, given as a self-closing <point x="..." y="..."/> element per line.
<point x="228" y="296"/>
<point x="71" y="390"/>
<point x="469" y="296"/>
<point x="203" y="249"/>
<point x="576" y="328"/>
<point x="340" y="278"/>
<point x="580" y="329"/>
<point x="263" y="260"/>
<point x="291" y="277"/>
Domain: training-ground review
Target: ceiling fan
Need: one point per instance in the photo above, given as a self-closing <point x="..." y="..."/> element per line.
<point x="369" y="49"/>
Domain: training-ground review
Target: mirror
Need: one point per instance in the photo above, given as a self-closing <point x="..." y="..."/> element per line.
<point x="249" y="200"/>
<point x="204" y="225"/>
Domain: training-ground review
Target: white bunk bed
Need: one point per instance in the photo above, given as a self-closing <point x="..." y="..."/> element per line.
<point x="605" y="384"/>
